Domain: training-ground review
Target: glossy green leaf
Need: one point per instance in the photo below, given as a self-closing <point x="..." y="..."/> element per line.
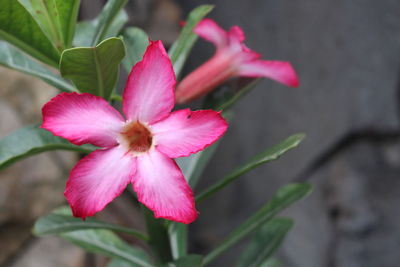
<point x="192" y="168"/>
<point x="120" y="263"/>
<point x="268" y="155"/>
<point x="19" y="29"/>
<point x="62" y="221"/>
<point x="94" y="69"/>
<point x="181" y="48"/>
<point x="285" y="196"/>
<point x="158" y="236"/>
<point x="106" y="18"/>
<point x="32" y="140"/>
<point x="56" y="18"/>
<point x="178" y="234"/>
<point x="192" y="260"/>
<point x="12" y="58"/>
<point x="85" y="30"/>
<point x="265" y="242"/>
<point x="273" y="262"/>
<point x="136" y="42"/>
<point x="84" y="33"/>
<point x="106" y="243"/>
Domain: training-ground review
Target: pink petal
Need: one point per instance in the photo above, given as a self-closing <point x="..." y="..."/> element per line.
<point x="82" y="118"/>
<point x="237" y="33"/>
<point x="160" y="186"/>
<point x="97" y="179"/>
<point x="214" y="72"/>
<point x="185" y="132"/>
<point x="208" y="29"/>
<point x="149" y="92"/>
<point x="280" y="71"/>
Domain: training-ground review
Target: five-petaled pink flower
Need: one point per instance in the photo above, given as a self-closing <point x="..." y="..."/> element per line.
<point x="137" y="149"/>
<point x="231" y="59"/>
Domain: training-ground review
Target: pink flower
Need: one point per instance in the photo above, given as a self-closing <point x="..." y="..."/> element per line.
<point x="231" y="59"/>
<point x="137" y="149"/>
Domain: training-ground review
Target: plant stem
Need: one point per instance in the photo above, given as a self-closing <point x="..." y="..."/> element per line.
<point x="158" y="237"/>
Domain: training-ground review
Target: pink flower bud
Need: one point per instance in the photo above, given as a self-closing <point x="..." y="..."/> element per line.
<point x="231" y="59"/>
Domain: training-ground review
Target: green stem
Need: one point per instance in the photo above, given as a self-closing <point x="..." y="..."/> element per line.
<point x="158" y="237"/>
<point x="116" y="97"/>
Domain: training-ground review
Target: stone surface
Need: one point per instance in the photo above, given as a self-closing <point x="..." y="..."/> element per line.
<point x="50" y="252"/>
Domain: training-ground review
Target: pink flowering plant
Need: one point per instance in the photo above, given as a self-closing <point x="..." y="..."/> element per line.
<point x="152" y="150"/>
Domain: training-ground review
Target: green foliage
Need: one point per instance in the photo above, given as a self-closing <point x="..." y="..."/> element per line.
<point x="56" y="18"/>
<point x="32" y="140"/>
<point x="86" y="30"/>
<point x="272" y="262"/>
<point x="94" y="69"/>
<point x="61" y="221"/>
<point x="268" y="155"/>
<point x="191" y="260"/>
<point x="12" y="58"/>
<point x="265" y="242"/>
<point x="285" y="196"/>
<point x="106" y="243"/>
<point x="119" y="263"/>
<point x="158" y="236"/>
<point x="192" y="168"/>
<point x="19" y="29"/>
<point x="106" y="18"/>
<point x="183" y="45"/>
<point x="136" y="42"/>
<point x="232" y="96"/>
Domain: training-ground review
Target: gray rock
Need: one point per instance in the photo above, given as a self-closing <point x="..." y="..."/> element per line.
<point x="51" y="252"/>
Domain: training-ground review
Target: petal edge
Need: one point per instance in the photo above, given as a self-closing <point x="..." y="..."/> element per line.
<point x="185" y="132"/>
<point x="161" y="186"/>
<point x="97" y="179"/>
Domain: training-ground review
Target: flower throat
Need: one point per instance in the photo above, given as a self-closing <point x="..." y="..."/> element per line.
<point x="138" y="137"/>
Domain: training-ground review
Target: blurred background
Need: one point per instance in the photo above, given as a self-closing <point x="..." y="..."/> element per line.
<point x="347" y="54"/>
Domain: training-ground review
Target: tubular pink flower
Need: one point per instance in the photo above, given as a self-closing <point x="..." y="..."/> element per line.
<point x="139" y="149"/>
<point x="231" y="59"/>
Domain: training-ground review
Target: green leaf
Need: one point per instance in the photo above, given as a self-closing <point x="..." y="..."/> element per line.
<point x="106" y="243"/>
<point x="268" y="155"/>
<point x="192" y="168"/>
<point x="158" y="236"/>
<point x="32" y="140"/>
<point x="106" y="18"/>
<point x="94" y="69"/>
<point x="85" y="30"/>
<point x="192" y="260"/>
<point x="119" y="263"/>
<point x="62" y="221"/>
<point x="232" y="96"/>
<point x="273" y="262"/>
<point x="136" y="42"/>
<point x="12" y="58"/>
<point x="265" y="242"/>
<point x="178" y="234"/>
<point x="180" y="50"/>
<point x="56" y="18"/>
<point x="19" y="29"/>
<point x="282" y="199"/>
<point x="84" y="33"/>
